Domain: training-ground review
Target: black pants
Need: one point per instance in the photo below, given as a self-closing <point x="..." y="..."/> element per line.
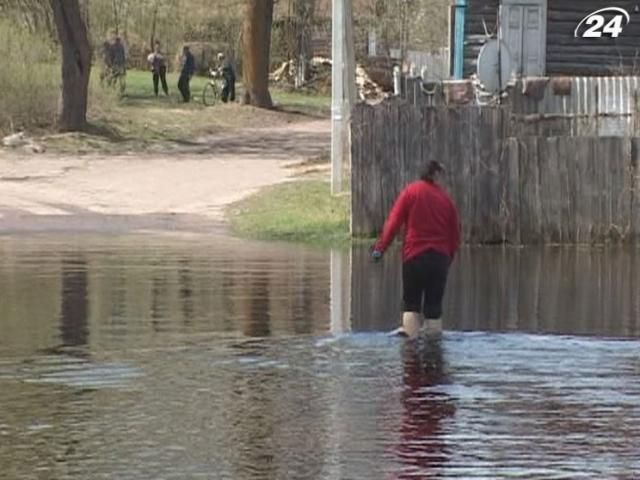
<point x="424" y="280"/>
<point x="160" y="76"/>
<point x="183" y="86"/>
<point x="229" y="90"/>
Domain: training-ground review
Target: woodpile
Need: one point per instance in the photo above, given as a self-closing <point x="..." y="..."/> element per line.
<point x="318" y="78"/>
<point x="380" y="70"/>
<point x="368" y="90"/>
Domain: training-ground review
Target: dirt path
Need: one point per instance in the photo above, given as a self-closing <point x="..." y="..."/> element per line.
<point x="184" y="191"/>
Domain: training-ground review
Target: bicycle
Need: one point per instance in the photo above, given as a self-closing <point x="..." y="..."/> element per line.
<point x="212" y="89"/>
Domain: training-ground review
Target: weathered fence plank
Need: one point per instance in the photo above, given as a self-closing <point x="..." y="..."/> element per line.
<point x="510" y="193"/>
<point x="514" y="190"/>
<point x="488" y="195"/>
<point x="529" y="191"/>
<point x="633" y="179"/>
<point x="545" y="194"/>
<point x="359" y="132"/>
<point x="566" y="179"/>
<point x="595" y="194"/>
<point x="621" y="191"/>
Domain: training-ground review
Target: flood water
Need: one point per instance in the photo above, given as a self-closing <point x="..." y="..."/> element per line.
<point x="146" y="357"/>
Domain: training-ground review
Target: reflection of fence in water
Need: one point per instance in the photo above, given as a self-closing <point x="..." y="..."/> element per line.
<point x="255" y="293"/>
<point x="553" y="290"/>
<point x="136" y="299"/>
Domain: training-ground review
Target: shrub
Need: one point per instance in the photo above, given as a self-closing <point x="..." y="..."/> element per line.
<point x="29" y="79"/>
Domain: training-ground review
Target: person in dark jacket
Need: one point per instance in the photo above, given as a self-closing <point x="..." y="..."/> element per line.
<point x="432" y="239"/>
<point x="229" y="79"/>
<point x="158" y="65"/>
<point x="188" y="69"/>
<point x="118" y="60"/>
<point x="105" y="72"/>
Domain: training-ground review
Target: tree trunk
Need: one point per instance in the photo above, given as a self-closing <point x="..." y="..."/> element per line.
<point x="304" y="12"/>
<point x="116" y="17"/>
<point x="124" y="14"/>
<point x="257" y="45"/>
<point x="154" y="25"/>
<point x="86" y="16"/>
<point x="76" y="63"/>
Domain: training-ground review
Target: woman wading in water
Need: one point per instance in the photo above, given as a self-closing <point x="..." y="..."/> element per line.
<point x="432" y="238"/>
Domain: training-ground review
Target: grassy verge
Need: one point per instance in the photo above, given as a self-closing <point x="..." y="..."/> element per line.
<point x="141" y="121"/>
<point x="301" y="211"/>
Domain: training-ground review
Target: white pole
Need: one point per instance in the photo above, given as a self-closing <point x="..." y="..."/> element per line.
<point x="337" y="95"/>
<point x="349" y="72"/>
<point x="349" y="89"/>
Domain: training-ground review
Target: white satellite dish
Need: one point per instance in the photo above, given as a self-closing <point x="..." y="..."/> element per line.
<point x="495" y="66"/>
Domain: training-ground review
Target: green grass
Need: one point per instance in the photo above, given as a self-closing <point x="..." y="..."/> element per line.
<point x="140" y="121"/>
<point x="139" y="91"/>
<point x="301" y="211"/>
<point x="140" y="88"/>
<point x="315" y="105"/>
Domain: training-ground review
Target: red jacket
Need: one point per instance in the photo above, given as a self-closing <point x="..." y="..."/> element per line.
<point x="430" y="218"/>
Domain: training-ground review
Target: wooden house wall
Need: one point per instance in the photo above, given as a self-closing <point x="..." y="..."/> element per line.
<point x="567" y="55"/>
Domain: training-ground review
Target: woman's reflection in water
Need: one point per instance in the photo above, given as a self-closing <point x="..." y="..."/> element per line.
<point x="426" y="409"/>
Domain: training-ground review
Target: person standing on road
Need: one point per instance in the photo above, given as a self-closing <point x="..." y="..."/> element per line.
<point x="432" y="239"/>
<point x="159" y="69"/>
<point x="188" y="69"/>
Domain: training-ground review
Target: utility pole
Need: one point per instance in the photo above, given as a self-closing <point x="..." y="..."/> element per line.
<point x="350" y="65"/>
<point x="342" y="88"/>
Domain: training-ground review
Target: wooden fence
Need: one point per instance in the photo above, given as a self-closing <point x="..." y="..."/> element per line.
<point x="509" y="188"/>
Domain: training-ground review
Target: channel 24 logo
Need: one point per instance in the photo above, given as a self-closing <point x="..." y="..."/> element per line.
<point x="606" y="22"/>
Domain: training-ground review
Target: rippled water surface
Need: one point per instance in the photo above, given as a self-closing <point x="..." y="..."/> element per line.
<point x="183" y="358"/>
